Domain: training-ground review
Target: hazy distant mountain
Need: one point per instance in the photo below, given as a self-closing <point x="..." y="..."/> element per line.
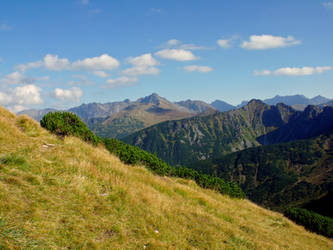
<point x="98" y="110"/>
<point x="84" y="111"/>
<point x="319" y="100"/>
<point x="298" y="102"/>
<point x="196" y="106"/>
<point x="118" y="119"/>
<point x="146" y="112"/>
<point x="222" y="106"/>
<point x="36" y="114"/>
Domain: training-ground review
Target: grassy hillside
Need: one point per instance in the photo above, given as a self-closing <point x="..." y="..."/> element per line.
<point x="67" y="194"/>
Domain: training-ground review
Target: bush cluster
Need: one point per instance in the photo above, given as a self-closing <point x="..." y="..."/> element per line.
<point x="312" y="221"/>
<point x="68" y="124"/>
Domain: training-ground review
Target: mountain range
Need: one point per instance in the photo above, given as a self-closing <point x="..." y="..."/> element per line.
<point x="279" y="156"/>
<point x="257" y="123"/>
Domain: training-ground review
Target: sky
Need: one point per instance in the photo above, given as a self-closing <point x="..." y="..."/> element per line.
<point x="67" y="52"/>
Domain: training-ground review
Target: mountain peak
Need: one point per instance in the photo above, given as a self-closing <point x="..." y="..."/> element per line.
<point x="154" y="98"/>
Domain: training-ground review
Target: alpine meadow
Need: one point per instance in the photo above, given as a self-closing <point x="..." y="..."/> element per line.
<point x="166" y="124"/>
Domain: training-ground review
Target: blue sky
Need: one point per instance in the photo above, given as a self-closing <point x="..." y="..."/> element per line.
<point x="66" y="52"/>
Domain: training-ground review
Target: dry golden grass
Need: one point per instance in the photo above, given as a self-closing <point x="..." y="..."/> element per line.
<point x="67" y="194"/>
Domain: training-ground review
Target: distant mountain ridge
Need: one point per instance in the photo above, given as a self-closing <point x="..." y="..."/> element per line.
<point x="298" y="102"/>
<point x="119" y="119"/>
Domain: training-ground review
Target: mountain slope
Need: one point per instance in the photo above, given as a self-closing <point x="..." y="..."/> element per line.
<point x="67" y="194"/>
<point x="281" y="175"/>
<point x="313" y="121"/>
<point x="222" y="106"/>
<point x="187" y="140"/>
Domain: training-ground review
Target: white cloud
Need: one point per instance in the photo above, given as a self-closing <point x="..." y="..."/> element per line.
<point x="54" y="63"/>
<point x="73" y="94"/>
<point x="31" y="65"/>
<point x="50" y="62"/>
<point x="328" y="5"/>
<point x="101" y="74"/>
<point x="15" y="78"/>
<point x="177" y="54"/>
<point x="84" y="2"/>
<point x="18" y="77"/>
<point x="103" y="62"/>
<point x="28" y="95"/>
<point x="269" y="42"/>
<point x="5" y="98"/>
<point x="121" y="81"/>
<point x="288" y="71"/>
<point x="202" y="69"/>
<point x="224" y="43"/>
<point x="18" y="98"/>
<point x="142" y="65"/>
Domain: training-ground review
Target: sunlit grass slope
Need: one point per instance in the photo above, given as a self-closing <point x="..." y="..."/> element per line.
<point x="68" y="194"/>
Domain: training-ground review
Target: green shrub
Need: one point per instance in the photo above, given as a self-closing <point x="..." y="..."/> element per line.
<point x="136" y="156"/>
<point x="311" y="221"/>
<point x="68" y="124"/>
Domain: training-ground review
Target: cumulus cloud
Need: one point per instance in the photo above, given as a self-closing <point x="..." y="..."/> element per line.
<point x="101" y="74"/>
<point x="202" y="69"/>
<point x="176" y="54"/>
<point x="142" y="65"/>
<point x="74" y="94"/>
<point x="289" y="71"/>
<point x="261" y="42"/>
<point x="18" y="98"/>
<point x="18" y="77"/>
<point x="328" y="5"/>
<point x="15" y="78"/>
<point x="121" y="81"/>
<point x="103" y="62"/>
<point x="54" y="63"/>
